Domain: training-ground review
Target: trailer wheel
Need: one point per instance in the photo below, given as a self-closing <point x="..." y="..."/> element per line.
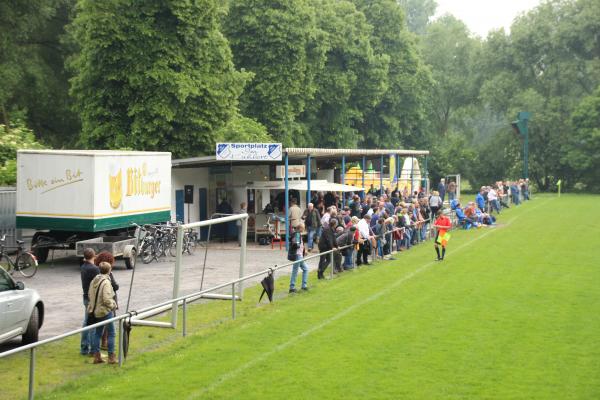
<point x="130" y="261"/>
<point x="41" y="253"/>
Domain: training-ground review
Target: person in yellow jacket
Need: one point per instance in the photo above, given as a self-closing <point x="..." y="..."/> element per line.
<point x="103" y="305"/>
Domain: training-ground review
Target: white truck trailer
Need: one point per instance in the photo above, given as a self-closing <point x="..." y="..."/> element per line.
<point x="69" y="196"/>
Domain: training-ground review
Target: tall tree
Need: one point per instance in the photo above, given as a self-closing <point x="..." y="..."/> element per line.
<point x="279" y="42"/>
<point x="450" y="51"/>
<point x="398" y="118"/>
<point x="353" y="79"/>
<point x="418" y="13"/>
<point x="153" y="75"/>
<point x="583" y="144"/>
<point x="19" y="56"/>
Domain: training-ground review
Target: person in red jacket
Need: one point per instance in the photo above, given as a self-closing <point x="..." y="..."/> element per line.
<point x="442" y="225"/>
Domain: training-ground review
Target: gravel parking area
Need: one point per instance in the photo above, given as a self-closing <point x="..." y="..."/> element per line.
<point x="59" y="282"/>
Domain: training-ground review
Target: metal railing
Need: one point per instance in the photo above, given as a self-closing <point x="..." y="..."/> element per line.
<point x="136" y="317"/>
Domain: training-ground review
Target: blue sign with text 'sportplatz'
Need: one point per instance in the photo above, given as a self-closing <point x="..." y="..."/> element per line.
<point x="249" y="151"/>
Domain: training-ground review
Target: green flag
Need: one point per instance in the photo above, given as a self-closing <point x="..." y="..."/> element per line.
<point x="559" y="183"/>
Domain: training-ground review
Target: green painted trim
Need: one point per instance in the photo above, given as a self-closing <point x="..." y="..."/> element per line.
<point x="90" y="225"/>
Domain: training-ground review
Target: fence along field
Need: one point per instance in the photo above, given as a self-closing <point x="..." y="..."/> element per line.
<point x="512" y="312"/>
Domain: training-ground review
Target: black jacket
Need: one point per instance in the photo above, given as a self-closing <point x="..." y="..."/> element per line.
<point x="327" y="241"/>
<point x="88" y="273"/>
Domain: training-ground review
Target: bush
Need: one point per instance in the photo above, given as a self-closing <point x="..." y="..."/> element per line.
<point x="16" y="138"/>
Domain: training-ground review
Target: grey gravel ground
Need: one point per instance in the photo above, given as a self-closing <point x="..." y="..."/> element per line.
<point x="59" y="282"/>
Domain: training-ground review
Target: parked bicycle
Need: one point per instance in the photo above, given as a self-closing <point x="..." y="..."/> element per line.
<point x="24" y="261"/>
<point x="150" y="247"/>
<point x="190" y="241"/>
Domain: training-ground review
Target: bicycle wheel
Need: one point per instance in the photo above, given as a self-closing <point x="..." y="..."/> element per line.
<point x="147" y="253"/>
<point x="173" y="248"/>
<point x="8" y="265"/>
<point x="160" y="249"/>
<point x="191" y="245"/>
<point x="27" y="265"/>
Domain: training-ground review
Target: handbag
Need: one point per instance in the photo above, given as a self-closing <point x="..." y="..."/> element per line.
<point x="91" y="316"/>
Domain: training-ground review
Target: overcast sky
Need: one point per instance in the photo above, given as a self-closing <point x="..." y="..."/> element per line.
<point x="481" y="16"/>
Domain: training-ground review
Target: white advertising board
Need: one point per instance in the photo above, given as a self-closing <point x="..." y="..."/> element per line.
<point x="294" y="171"/>
<point x="92" y="191"/>
<point x="249" y="151"/>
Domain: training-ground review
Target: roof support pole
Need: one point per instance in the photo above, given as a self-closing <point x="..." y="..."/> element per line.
<point x="426" y="173"/>
<point x="381" y="176"/>
<point x="412" y="175"/>
<point x="343" y="180"/>
<point x="398" y="172"/>
<point x="308" y="176"/>
<point x="287" y="202"/>
<point x="364" y="166"/>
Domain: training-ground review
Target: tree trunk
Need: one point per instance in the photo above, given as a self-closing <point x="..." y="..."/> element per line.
<point x="5" y="119"/>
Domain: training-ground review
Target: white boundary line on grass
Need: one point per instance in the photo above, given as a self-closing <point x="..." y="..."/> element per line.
<point x="227" y="376"/>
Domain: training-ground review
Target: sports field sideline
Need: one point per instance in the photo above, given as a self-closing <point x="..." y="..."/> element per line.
<point x="513" y="312"/>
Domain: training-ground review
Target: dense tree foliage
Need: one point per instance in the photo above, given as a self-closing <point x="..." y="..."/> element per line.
<point x="11" y="140"/>
<point x="178" y="76"/>
<point x="582" y="152"/>
<point x="397" y="120"/>
<point x="33" y="82"/>
<point x="155" y="75"/>
<point x="352" y="80"/>
<point x="279" y="42"/>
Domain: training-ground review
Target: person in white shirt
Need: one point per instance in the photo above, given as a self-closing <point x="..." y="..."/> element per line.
<point x="364" y="242"/>
<point x="325" y="218"/>
<point x="493" y="200"/>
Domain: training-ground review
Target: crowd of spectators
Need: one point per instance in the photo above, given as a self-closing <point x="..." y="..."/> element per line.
<point x="379" y="223"/>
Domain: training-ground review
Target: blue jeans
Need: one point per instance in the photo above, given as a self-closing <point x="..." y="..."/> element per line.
<point x="407" y="237"/>
<point x="97" y="335"/>
<point x="424" y="232"/>
<point x="311" y="237"/>
<point x="348" y="259"/>
<point x="86" y="337"/>
<point x="302" y="265"/>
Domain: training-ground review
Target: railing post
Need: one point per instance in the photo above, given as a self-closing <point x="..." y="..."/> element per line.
<point x="121" y="342"/>
<point x="332" y="254"/>
<point x="233" y="300"/>
<point x="177" y="276"/>
<point x="243" y="246"/>
<point x="184" y="322"/>
<point x="31" y="372"/>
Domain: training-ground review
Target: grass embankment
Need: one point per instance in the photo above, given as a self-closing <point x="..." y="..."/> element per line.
<point x="512" y="313"/>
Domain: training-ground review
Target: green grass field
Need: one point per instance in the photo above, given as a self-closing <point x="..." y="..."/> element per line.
<point x="512" y="313"/>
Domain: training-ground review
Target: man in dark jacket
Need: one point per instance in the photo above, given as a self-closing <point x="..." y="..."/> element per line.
<point x="344" y="239"/>
<point x="326" y="243"/>
<point x="88" y="273"/>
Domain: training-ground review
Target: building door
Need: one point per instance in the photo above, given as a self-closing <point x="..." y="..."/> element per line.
<point x="179" y="210"/>
<point x="203" y="211"/>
